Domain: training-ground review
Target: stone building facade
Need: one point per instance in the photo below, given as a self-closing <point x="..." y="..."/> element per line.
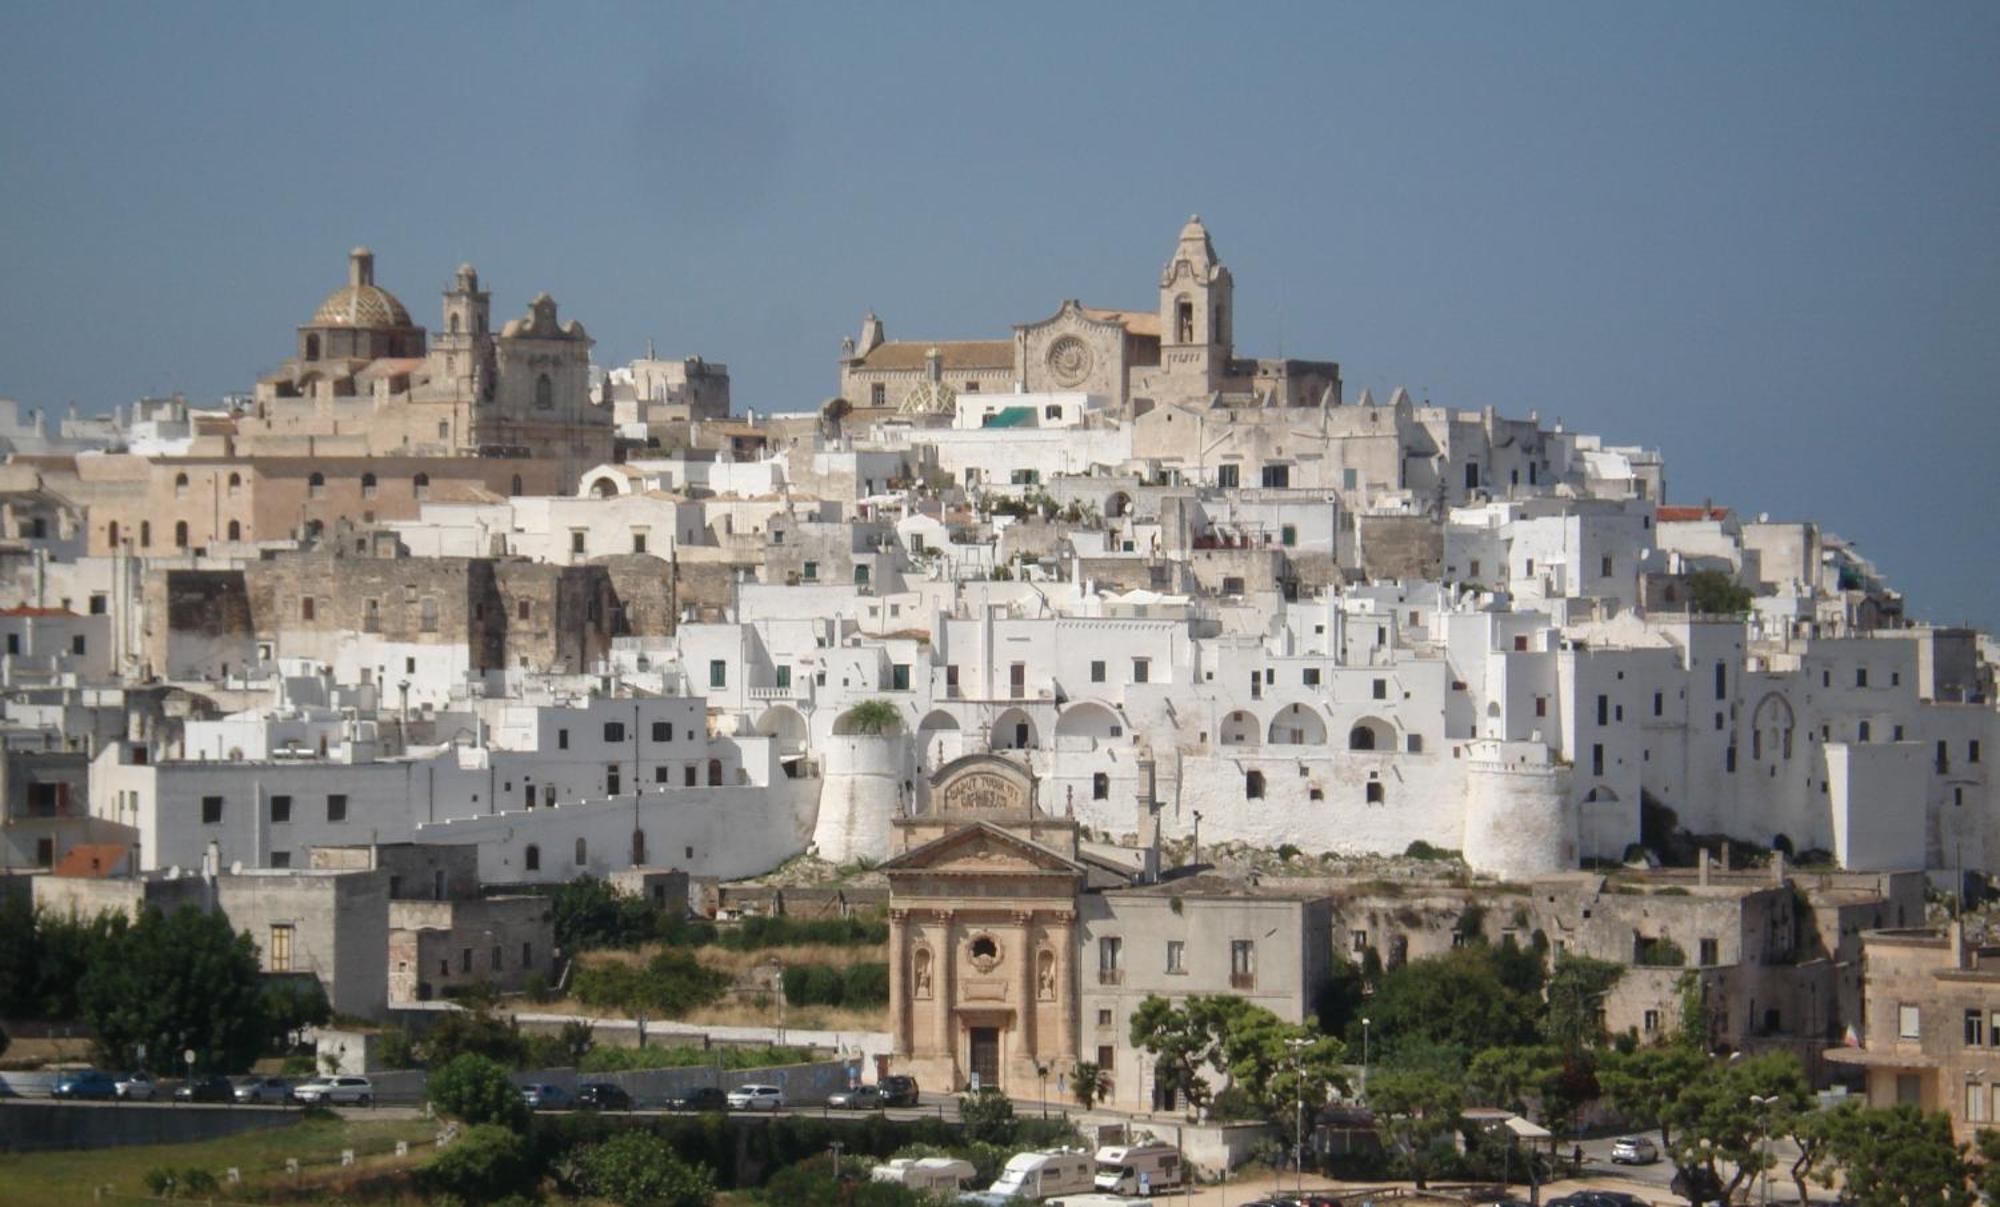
<point x="983" y="933"/>
<point x="1182" y="350"/>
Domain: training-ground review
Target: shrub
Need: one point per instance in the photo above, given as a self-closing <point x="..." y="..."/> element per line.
<point x="988" y="1117"/>
<point x="475" y="1090"/>
<point x="486" y="1163"/>
<point x="671" y="984"/>
<point x="866" y="985"/>
<point x="167" y="1182"/>
<point x="812" y="1184"/>
<point x="474" y="1031"/>
<point x="639" y="1169"/>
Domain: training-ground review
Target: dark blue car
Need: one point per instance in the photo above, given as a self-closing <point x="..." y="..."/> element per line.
<point x="86" y="1083"/>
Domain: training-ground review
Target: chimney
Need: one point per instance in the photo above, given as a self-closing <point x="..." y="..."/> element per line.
<point x="1701" y="867"/>
<point x="1778" y="868"/>
<point x="1722" y="851"/>
<point x="1956" y="934"/>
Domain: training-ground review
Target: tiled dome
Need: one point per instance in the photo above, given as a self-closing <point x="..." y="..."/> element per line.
<point x="360" y="302"/>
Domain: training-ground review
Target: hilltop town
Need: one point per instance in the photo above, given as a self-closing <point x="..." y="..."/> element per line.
<point x="1103" y="661"/>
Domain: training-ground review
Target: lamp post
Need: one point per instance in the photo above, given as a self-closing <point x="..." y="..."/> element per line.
<point x="1366" y="1023"/>
<point x="1764" y="1103"/>
<point x="1042" y="1072"/>
<point x="836" y="1146"/>
<point x="1298" y="1046"/>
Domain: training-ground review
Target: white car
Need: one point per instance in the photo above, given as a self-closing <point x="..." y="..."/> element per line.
<point x="138" y="1087"/>
<point x="756" y="1098"/>
<point x="1634" y="1150"/>
<point x="329" y="1091"/>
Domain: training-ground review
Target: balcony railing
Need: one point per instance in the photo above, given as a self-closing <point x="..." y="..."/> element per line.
<point x="1242" y="980"/>
<point x="1111" y="976"/>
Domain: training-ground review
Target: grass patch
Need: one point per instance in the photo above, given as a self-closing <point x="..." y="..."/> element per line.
<point x="60" y="1179"/>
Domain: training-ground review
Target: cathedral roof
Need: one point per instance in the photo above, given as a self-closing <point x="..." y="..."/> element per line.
<point x="959" y="354"/>
<point x="360" y="303"/>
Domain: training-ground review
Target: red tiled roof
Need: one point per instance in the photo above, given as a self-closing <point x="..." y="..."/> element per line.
<point x="32" y="611"/>
<point x="1689" y="515"/>
<point x="91" y="860"/>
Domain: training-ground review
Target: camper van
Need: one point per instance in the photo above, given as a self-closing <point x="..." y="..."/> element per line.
<point x="1032" y="1177"/>
<point x="1138" y="1168"/>
<point x="925" y="1173"/>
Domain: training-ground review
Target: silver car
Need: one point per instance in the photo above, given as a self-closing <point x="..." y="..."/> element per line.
<point x="264" y="1091"/>
<point x="138" y="1087"/>
<point x="331" y="1091"/>
<point x="756" y="1098"/>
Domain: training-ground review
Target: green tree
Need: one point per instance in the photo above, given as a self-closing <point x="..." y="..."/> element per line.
<point x="1180" y="1043"/>
<point x="591" y="914"/>
<point x="474" y="1089"/>
<point x="1425" y="1000"/>
<point x="1087" y="1081"/>
<point x="873" y="717"/>
<point x="1988" y="1172"/>
<point x="1716" y="594"/>
<point x="988" y="1117"/>
<point x="291" y="1004"/>
<point x="479" y="1032"/>
<point x="1282" y="1069"/>
<point x="1576" y="990"/>
<point x="1721" y="1124"/>
<point x="639" y="1169"/>
<point x="172" y="982"/>
<point x="485" y="1163"/>
<point x="1645" y="1083"/>
<point x="1419" y="1114"/>
<point x="578" y="1037"/>
<point x="1899" y="1154"/>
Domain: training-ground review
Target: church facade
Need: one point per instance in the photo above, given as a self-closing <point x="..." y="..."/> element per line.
<point x="983" y="933"/>
<point x="365" y="380"/>
<point x="1181" y="350"/>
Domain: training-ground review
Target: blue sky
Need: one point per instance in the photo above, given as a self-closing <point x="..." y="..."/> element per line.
<point x="1762" y="238"/>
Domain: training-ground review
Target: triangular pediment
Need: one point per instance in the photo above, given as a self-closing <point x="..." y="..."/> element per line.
<point x="980" y="848"/>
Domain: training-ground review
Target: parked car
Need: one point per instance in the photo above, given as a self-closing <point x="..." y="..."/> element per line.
<point x="860" y="1098"/>
<point x="328" y="1091"/>
<point x="602" y="1096"/>
<point x="540" y="1096"/>
<point x="264" y="1091"/>
<point x="701" y="1098"/>
<point x="899" y="1090"/>
<point x="756" y="1098"/>
<point x="212" y="1088"/>
<point x="138" y="1087"/>
<point x="86" y="1083"/>
<point x="1598" y="1198"/>
<point x="1634" y="1150"/>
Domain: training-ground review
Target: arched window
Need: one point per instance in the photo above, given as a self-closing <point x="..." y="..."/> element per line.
<point x="420" y="486"/>
<point x="1184" y="320"/>
<point x="316" y="485"/>
<point x="367" y="486"/>
<point x="454" y="324"/>
<point x="579" y="852"/>
<point x="1100" y="786"/>
<point x="145" y="534"/>
<point x="638" y="848"/>
<point x="715" y="773"/>
<point x="180" y="534"/>
<point x="235" y="530"/>
<point x="235" y="485"/>
<point x="514" y="487"/>
<point x="545" y="392"/>
<point x="111" y="534"/>
<point x="312" y="347"/>
<point x="532" y="858"/>
<point x="180" y="486"/>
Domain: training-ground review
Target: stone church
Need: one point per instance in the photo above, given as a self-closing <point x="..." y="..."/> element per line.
<point x="366" y="380"/>
<point x="1182" y="350"/>
<point x="984" y="932"/>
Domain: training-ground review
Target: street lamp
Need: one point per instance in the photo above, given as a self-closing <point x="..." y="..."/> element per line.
<point x="1366" y="1023"/>
<point x="1298" y="1046"/>
<point x="1042" y="1071"/>
<point x="1765" y="1102"/>
<point x="836" y="1146"/>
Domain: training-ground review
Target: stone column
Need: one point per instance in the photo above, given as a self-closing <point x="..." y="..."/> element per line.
<point x="944" y="990"/>
<point x="1067" y="994"/>
<point x="1024" y="1018"/>
<point x="899" y="999"/>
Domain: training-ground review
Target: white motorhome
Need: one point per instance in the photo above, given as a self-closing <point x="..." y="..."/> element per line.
<point x="925" y="1173"/>
<point x="1138" y="1168"/>
<point x="1032" y="1177"/>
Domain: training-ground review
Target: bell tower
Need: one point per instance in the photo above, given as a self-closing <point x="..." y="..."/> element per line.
<point x="1197" y="310"/>
<point x="466" y="341"/>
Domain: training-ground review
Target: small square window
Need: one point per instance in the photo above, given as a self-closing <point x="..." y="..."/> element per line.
<point x="336" y="807"/>
<point x="211" y="810"/>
